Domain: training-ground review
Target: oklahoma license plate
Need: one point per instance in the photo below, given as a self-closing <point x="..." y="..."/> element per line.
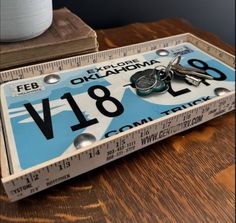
<point x="42" y="116"/>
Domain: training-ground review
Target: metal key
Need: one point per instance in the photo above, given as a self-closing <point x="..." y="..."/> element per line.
<point x="191" y="71"/>
<point x="193" y="80"/>
<point x="188" y="78"/>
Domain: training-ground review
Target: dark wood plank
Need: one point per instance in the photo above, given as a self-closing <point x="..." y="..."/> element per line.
<point x="189" y="177"/>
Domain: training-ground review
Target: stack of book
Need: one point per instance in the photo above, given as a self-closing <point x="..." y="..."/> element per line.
<point x="68" y="36"/>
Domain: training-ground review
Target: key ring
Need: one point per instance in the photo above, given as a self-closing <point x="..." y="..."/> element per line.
<point x="145" y="83"/>
<point x="139" y="74"/>
<point x="163" y="75"/>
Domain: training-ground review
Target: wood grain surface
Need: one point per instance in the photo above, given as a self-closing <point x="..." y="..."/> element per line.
<point x="68" y="35"/>
<point x="189" y="177"/>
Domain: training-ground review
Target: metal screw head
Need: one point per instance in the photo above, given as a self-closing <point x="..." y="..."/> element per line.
<point x="162" y="52"/>
<point x="83" y="140"/>
<point x="221" y="91"/>
<point x="52" y="79"/>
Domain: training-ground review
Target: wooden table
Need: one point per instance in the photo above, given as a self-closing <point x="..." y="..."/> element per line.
<point x="186" y="178"/>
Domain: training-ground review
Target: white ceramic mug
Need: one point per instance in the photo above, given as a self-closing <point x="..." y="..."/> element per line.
<point x="24" y="19"/>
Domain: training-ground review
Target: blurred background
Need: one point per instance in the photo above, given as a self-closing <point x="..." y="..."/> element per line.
<point x="216" y="16"/>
